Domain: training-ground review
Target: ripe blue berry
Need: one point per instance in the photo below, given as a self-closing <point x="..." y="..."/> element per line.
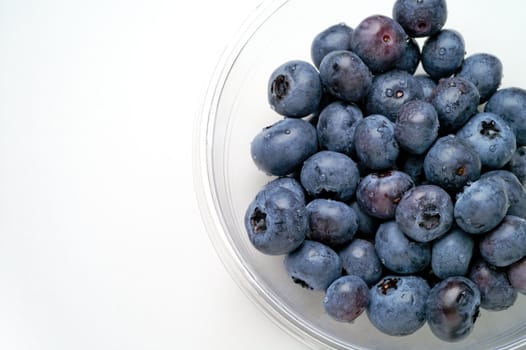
<point x="331" y="175"/>
<point x="491" y="137"/>
<point x="481" y="206"/>
<point x="510" y="105"/>
<point x="517" y="275"/>
<point x="281" y="148"/>
<point x="331" y="222"/>
<point x="496" y="292"/>
<point x="276" y="221"/>
<point x="452" y="308"/>
<point x="425" y="213"/>
<point x="378" y="194"/>
<point x="452" y="253"/>
<point x="398" y="252"/>
<point x="313" y="265"/>
<point x="451" y="163"/>
<point x="443" y="53"/>
<point x="389" y="91"/>
<point x="375" y="143"/>
<point x="455" y="100"/>
<point x="506" y="244"/>
<point x="416" y="126"/>
<point x="294" y="89"/>
<point x="397" y="304"/>
<point x="420" y="18"/>
<point x="517" y="164"/>
<point x="380" y="42"/>
<point x="484" y="71"/>
<point x="336" y="125"/>
<point x="346" y="298"/>
<point x="345" y="76"/>
<point x="359" y="258"/>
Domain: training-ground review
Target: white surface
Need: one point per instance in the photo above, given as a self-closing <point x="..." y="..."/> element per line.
<point x="101" y="242"/>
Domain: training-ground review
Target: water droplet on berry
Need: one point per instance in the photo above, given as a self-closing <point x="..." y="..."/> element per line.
<point x="442" y="51"/>
<point x="287" y="132"/>
<point x="493" y="148"/>
<point x="389" y="93"/>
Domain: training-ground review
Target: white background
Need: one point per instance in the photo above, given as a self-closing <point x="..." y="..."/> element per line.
<point x="101" y="242"/>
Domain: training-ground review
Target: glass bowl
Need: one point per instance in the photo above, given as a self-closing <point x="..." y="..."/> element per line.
<point x="235" y="109"/>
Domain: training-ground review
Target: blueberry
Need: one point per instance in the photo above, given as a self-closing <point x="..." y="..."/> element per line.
<point x="281" y="148"/>
<point x="412" y="165"/>
<point x="443" y="53"/>
<point x="517" y="164"/>
<point x="378" y="194"/>
<point x="375" y="143"/>
<point x="505" y="244"/>
<point x="517" y="275"/>
<point x="481" y="206"/>
<point x="390" y="90"/>
<point x="420" y="18"/>
<point x="452" y="253"/>
<point x="331" y="175"/>
<point x="491" y="137"/>
<point x="399" y="253"/>
<point x="410" y="59"/>
<point x="455" y="100"/>
<point x="425" y="213"/>
<point x="359" y="258"/>
<point x="514" y="190"/>
<point x="276" y="221"/>
<point x="510" y="104"/>
<point x="484" y="71"/>
<point x="496" y="292"/>
<point x="451" y="163"/>
<point x="334" y="38"/>
<point x="367" y="225"/>
<point x="289" y="183"/>
<point x="332" y="223"/>
<point x="313" y="265"/>
<point x="397" y="304"/>
<point x="294" y="89"/>
<point x="346" y="298"/>
<point x="345" y="76"/>
<point x="336" y="126"/>
<point x="428" y="86"/>
<point x="380" y="42"/>
<point x="452" y="308"/>
<point x="416" y="126"/>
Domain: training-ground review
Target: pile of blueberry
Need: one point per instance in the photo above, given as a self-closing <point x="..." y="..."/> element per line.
<point x="397" y="194"/>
